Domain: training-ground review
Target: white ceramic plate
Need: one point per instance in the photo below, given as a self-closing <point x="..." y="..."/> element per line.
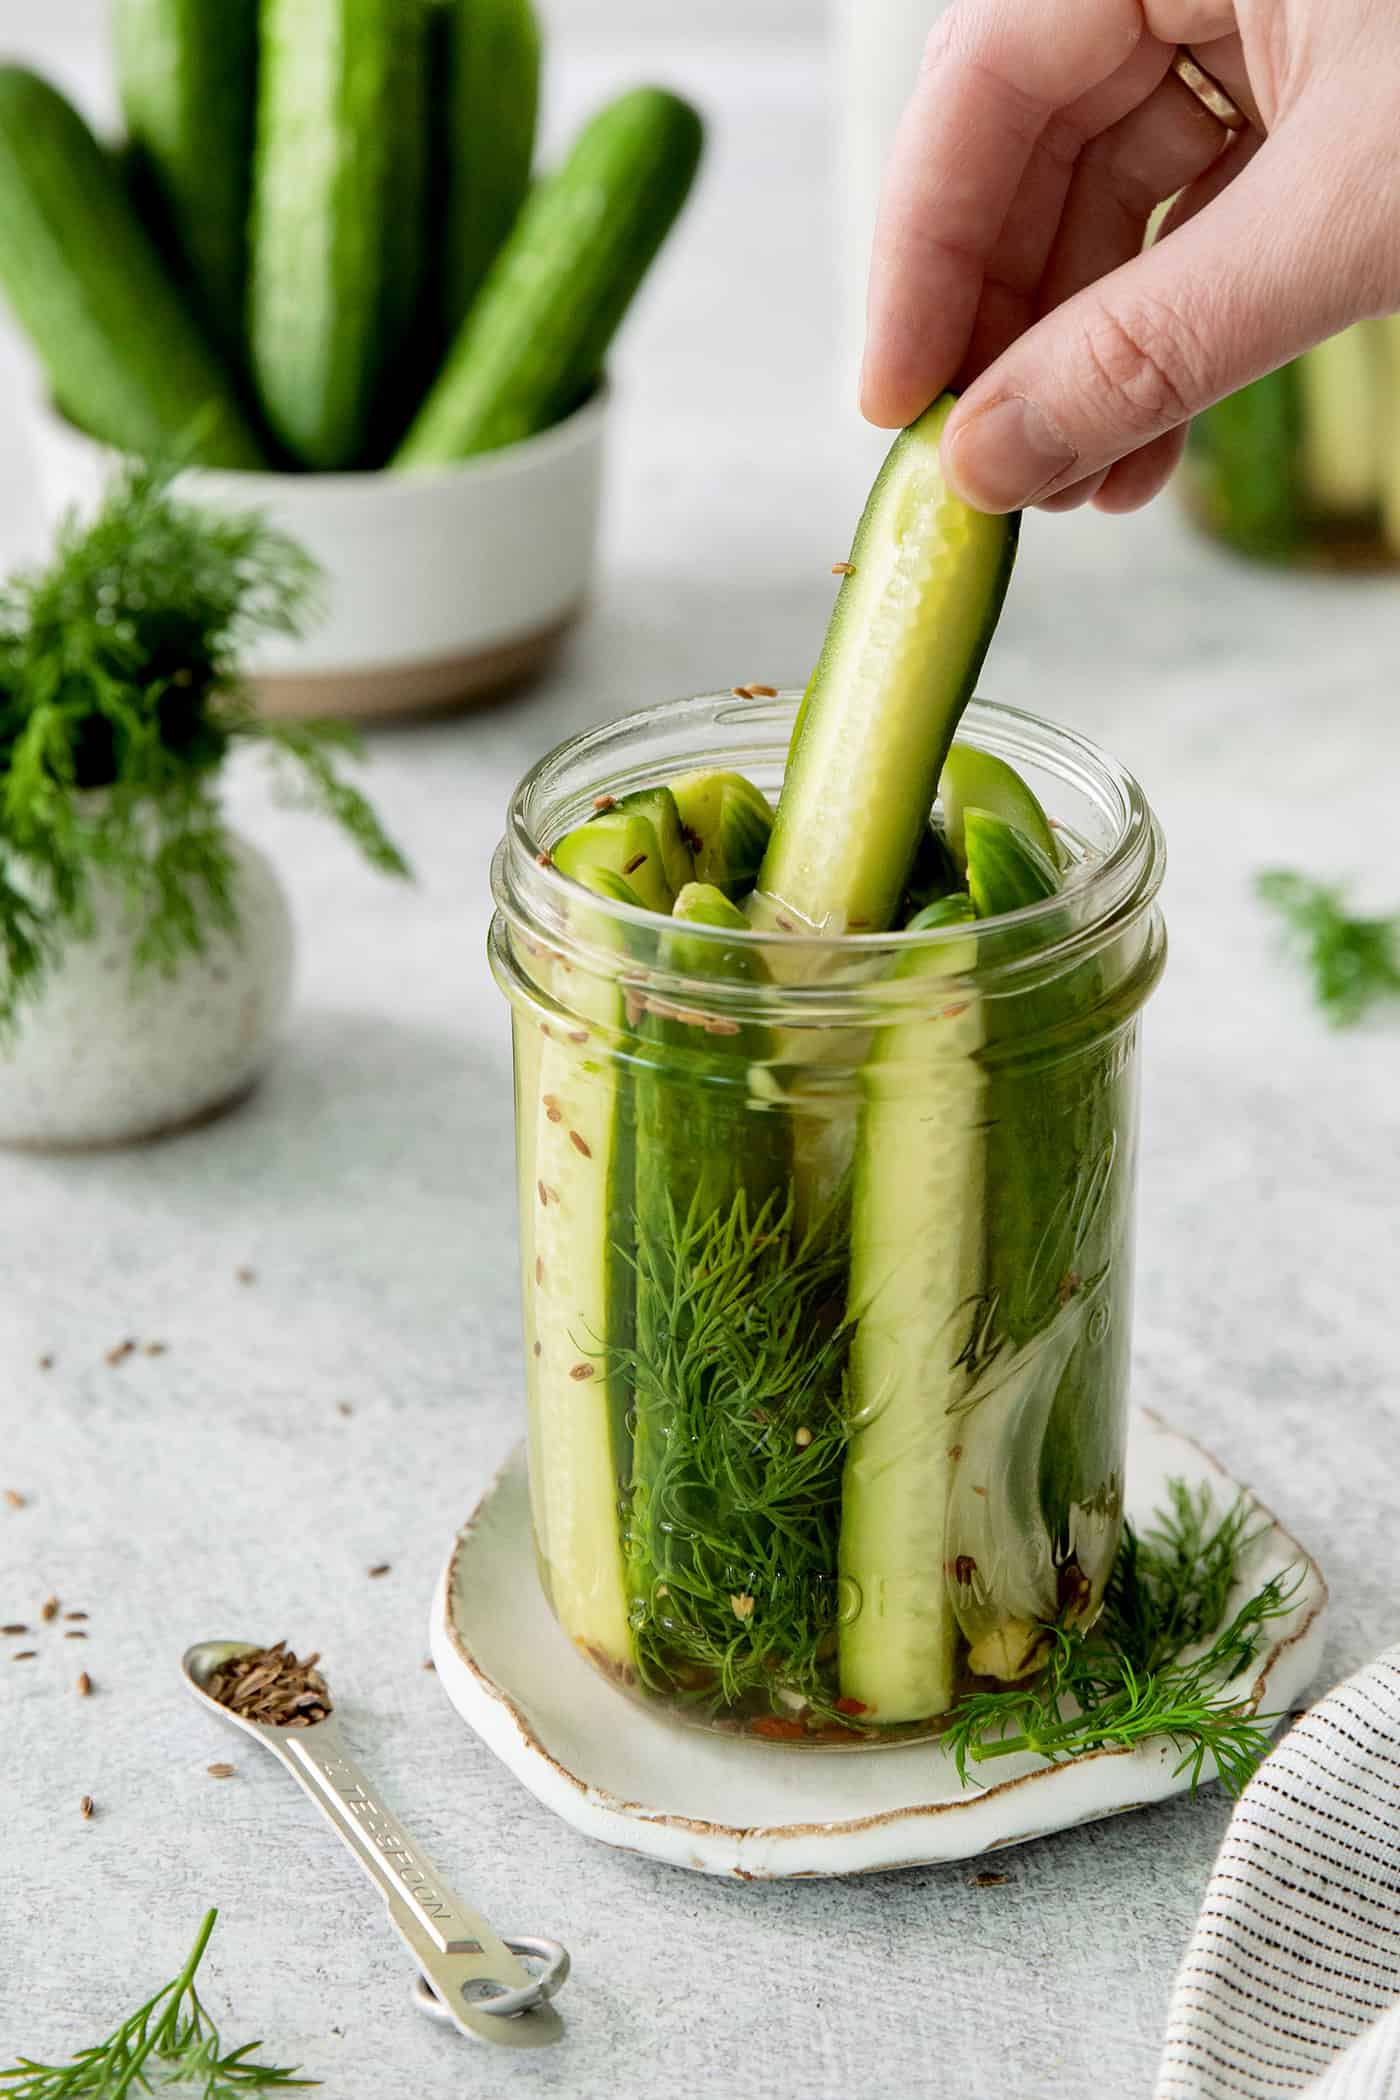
<point x="756" y="1810"/>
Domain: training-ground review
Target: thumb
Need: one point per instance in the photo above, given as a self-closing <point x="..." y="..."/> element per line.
<point x="1292" y="249"/>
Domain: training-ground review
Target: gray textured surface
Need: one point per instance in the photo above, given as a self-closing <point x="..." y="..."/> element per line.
<point x="217" y="1488"/>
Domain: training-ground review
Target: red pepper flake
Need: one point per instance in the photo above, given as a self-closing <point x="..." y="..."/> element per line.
<point x="580" y="1144"/>
<point x="774" y="1730"/>
<point x="581" y="1371"/>
<point x="851" y="1706"/>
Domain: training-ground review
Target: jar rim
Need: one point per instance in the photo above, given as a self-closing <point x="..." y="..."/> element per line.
<point x="1122" y="879"/>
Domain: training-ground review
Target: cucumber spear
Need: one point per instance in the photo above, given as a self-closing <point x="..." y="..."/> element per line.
<point x="911" y="626"/>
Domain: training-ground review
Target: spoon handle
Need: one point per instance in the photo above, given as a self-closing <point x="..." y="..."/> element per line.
<point x="453" y="1945"/>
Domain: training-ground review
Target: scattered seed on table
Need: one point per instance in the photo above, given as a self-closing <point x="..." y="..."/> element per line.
<point x="13" y="1631"/>
<point x="221" y="1771"/>
<point x="86" y="1807"/>
<point x="75" y="1633"/>
<point x="343" y="1407"/>
<point x="14" y="1498"/>
<point x="119" y="1352"/>
<point x="544" y="860"/>
<point x="246" y="1275"/>
<point x="154" y="1348"/>
<point x="380" y="1568"/>
<point x="430" y="1664"/>
<point x="989" y="1881"/>
<point x="24" y="1655"/>
<point x="84" y="1685"/>
<point x="48" y="1609"/>
<point x="74" y="1616"/>
<point x="46" y="1361"/>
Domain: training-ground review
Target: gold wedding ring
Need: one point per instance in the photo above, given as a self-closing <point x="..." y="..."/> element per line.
<point x="1208" y="92"/>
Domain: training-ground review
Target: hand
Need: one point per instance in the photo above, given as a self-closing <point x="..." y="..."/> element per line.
<point x="1008" y="259"/>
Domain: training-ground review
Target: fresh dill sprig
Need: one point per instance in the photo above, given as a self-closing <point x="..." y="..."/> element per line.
<point x="741" y="1430"/>
<point x="1156" y="1663"/>
<point x="121" y="697"/>
<point x="1354" y="961"/>
<point x="170" y="2041"/>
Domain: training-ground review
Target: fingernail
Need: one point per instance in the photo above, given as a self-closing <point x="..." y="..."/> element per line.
<point x="1005" y="456"/>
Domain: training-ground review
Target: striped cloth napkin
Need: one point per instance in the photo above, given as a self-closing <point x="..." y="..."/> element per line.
<point x="1292" y="1980"/>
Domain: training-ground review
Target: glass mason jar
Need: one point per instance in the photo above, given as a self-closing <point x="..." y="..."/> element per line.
<point x="1304" y="465"/>
<point x="827" y="1251"/>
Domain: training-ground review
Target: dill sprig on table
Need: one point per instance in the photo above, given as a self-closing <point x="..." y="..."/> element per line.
<point x="1354" y="961"/>
<point x="1155" y="1664"/>
<point x="121" y="697"/>
<point x="739" y="1392"/>
<point x="169" y="2042"/>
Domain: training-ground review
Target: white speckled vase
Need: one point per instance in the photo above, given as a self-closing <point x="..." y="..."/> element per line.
<point x="105" y="1057"/>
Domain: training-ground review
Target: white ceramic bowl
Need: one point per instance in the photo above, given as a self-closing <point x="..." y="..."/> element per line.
<point x="102" y="1057"/>
<point x="444" y="584"/>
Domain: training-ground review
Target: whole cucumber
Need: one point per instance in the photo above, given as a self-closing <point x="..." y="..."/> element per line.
<point x="123" y="354"/>
<point x="186" y="77"/>
<point x="537" y="335"/>
<point x="1243" y="467"/>
<point x="489" y="54"/>
<point x="336" y="244"/>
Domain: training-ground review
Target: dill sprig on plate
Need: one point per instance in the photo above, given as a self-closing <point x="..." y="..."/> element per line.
<point x="1157" y="1663"/>
<point x="1354" y="961"/>
<point x="741" y="1430"/>
<point x="121" y="697"/>
<point x="169" y="2042"/>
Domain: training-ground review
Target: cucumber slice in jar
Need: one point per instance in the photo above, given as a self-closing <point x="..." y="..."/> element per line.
<point x="1033" y="1515"/>
<point x="728" y="822"/>
<point x="917" y="1246"/>
<point x="902" y="655"/>
<point x="974" y="779"/>
<point x="619" y="844"/>
<point x="658" y="806"/>
<point x="574" y="1113"/>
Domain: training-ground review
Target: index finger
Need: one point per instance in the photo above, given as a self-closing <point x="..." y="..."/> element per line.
<point x="994" y="76"/>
